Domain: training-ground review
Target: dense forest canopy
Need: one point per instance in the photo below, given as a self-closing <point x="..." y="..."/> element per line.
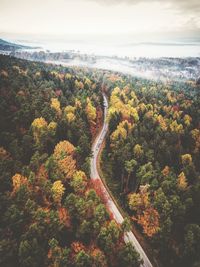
<point x="51" y="212"/>
<point x="151" y="162"/>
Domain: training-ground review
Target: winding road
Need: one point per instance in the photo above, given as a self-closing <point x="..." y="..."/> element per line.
<point x="128" y="236"/>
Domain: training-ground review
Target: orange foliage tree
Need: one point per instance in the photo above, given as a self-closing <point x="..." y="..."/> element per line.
<point x="149" y="220"/>
<point x="146" y="215"/>
<point x="182" y="181"/>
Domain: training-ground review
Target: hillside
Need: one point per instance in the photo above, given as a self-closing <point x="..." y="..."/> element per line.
<point x="8" y="46"/>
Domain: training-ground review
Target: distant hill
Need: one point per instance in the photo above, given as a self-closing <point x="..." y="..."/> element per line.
<point x="7" y="46"/>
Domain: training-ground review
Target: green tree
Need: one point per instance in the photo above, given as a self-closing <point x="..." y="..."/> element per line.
<point x="127" y="256"/>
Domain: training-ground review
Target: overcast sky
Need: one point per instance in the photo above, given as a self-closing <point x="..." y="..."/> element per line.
<point x="131" y="17"/>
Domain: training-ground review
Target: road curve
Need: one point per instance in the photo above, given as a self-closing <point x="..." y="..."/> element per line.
<point x="129" y="236"/>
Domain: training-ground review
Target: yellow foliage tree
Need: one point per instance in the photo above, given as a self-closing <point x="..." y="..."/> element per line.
<point x="69" y="112"/>
<point x="90" y="111"/>
<point x="52" y="127"/>
<point x="119" y="103"/>
<point x="69" y="109"/>
<point x="175" y="127"/>
<point x="68" y="76"/>
<point x="67" y="166"/>
<point x="18" y="180"/>
<point x="182" y="181"/>
<point x="186" y="159"/>
<point x="63" y="153"/>
<point x="187" y="120"/>
<point x="39" y="123"/>
<point x="79" y="84"/>
<point x="142" y="108"/>
<point x="87" y="82"/>
<point x="177" y="114"/>
<point x="162" y="123"/>
<point x="39" y="126"/>
<point x="139" y="201"/>
<point x="138" y="151"/>
<point x="70" y="117"/>
<point x="79" y="181"/>
<point x="58" y="191"/>
<point x="134" y="201"/>
<point x="63" y="149"/>
<point x="120" y="132"/>
<point x="55" y="104"/>
<point x="123" y="129"/>
<point x="171" y="97"/>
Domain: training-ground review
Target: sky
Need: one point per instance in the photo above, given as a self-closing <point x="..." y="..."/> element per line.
<point x="139" y="18"/>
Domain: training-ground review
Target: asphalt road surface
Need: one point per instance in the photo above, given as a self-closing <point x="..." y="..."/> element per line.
<point x="129" y="236"/>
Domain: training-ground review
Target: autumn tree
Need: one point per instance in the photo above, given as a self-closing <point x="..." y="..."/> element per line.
<point x="79" y="85"/>
<point x="182" y="181"/>
<point x="39" y="127"/>
<point x="98" y="258"/>
<point x="122" y="131"/>
<point x="70" y="113"/>
<point x="146" y="215"/>
<point x="52" y="126"/>
<point x="55" y="104"/>
<point x="18" y="180"/>
<point x="64" y="155"/>
<point x="149" y="220"/>
<point x="63" y="149"/>
<point x="186" y="159"/>
<point x="90" y="111"/>
<point x="176" y="128"/>
<point x="79" y="182"/>
<point x="187" y="120"/>
<point x="138" y="151"/>
<point x="58" y="191"/>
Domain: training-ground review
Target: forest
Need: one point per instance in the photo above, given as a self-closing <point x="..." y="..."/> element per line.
<point x="52" y="214"/>
<point x="151" y="162"/>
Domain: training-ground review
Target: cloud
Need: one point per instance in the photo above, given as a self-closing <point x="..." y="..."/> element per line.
<point x="186" y="5"/>
<point x="115" y="17"/>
